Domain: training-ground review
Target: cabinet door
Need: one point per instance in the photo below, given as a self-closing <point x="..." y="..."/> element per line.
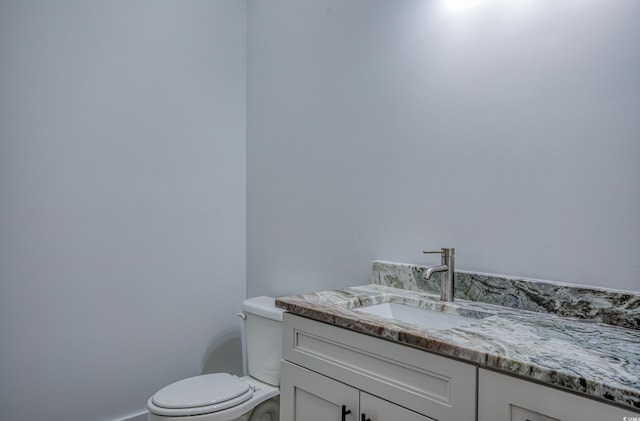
<point x="309" y="396"/>
<point x="506" y="398"/>
<point x="376" y="409"/>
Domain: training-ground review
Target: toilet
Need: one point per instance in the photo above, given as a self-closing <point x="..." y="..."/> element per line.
<point x="222" y="396"/>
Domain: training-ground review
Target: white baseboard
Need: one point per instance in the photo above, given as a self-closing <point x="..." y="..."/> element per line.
<point x="142" y="416"/>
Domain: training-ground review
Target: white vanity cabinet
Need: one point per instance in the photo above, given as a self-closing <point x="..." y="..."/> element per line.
<point x="328" y="371"/>
<point x="309" y="396"/>
<point x="505" y="398"/>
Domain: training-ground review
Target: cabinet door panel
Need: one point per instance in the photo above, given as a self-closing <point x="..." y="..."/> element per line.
<point x="377" y="409"/>
<point x="309" y="406"/>
<point x="506" y="398"/>
<point x="309" y="396"/>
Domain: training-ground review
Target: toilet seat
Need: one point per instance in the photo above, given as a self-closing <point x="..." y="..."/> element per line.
<point x="200" y="395"/>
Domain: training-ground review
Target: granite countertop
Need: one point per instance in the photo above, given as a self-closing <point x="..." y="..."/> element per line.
<point x="591" y="358"/>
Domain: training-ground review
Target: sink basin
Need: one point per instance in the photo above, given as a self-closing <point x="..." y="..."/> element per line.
<point x="431" y="318"/>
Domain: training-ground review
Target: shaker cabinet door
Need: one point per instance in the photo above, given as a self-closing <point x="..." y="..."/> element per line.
<point x="506" y="398"/>
<point x="376" y="409"/>
<point x="309" y="396"/>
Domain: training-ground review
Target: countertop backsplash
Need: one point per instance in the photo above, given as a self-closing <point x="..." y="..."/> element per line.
<point x="616" y="308"/>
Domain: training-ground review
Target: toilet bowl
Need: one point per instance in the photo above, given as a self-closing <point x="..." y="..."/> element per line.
<point x="225" y="397"/>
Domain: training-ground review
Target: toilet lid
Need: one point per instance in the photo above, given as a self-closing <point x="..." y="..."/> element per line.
<point x="200" y="391"/>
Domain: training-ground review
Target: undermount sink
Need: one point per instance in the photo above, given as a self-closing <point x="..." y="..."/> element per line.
<point x="432" y="318"/>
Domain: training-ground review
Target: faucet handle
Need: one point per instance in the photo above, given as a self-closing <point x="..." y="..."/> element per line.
<point x="444" y="251"/>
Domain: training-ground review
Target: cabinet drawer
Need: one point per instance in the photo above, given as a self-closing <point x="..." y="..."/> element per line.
<point x="431" y="385"/>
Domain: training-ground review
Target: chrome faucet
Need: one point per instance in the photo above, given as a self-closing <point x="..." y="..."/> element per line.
<point x="448" y="267"/>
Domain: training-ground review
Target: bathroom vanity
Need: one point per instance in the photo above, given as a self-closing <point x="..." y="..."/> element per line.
<point x="344" y="362"/>
<point x="329" y="369"/>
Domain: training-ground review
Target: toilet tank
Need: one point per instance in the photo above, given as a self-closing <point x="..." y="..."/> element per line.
<point x="263" y="335"/>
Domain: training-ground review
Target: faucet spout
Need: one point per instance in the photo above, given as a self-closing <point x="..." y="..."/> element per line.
<point x="429" y="271"/>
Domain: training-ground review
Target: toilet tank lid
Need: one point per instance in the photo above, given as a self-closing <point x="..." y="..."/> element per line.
<point x="263" y="306"/>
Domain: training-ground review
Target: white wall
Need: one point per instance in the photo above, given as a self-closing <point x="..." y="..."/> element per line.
<point x="122" y="201"/>
<point x="379" y="128"/>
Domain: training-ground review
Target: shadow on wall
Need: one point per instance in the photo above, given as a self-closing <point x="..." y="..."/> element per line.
<point x="224" y="353"/>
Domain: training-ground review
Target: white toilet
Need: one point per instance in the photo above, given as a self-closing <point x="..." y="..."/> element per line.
<point x="222" y="396"/>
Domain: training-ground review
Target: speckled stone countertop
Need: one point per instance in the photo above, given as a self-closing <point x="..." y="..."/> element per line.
<point x="585" y="356"/>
